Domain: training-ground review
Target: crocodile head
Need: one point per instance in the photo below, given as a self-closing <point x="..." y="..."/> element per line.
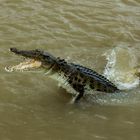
<point x="34" y="59"/>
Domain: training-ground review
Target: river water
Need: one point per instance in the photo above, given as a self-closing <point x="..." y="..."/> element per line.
<point x="32" y="106"/>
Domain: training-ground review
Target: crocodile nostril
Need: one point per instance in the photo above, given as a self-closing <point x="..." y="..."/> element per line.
<point x="13" y="50"/>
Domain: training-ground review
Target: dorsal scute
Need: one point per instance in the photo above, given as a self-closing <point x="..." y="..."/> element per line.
<point x="61" y="62"/>
<point x="93" y="74"/>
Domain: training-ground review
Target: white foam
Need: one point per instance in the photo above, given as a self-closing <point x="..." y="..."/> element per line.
<point x="120" y="67"/>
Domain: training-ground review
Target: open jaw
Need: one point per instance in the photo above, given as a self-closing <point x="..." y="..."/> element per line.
<point x="27" y="65"/>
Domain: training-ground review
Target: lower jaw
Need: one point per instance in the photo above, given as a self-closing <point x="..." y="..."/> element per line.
<point x="24" y="66"/>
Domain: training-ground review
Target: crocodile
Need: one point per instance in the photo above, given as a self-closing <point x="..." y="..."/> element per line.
<point x="75" y="78"/>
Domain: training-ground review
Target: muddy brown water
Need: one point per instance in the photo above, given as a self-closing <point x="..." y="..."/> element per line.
<point x="32" y="106"/>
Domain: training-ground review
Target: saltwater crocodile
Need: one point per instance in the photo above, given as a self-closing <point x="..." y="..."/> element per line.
<point x="75" y="78"/>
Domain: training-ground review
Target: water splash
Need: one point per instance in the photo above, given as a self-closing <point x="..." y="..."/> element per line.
<point x="120" y="68"/>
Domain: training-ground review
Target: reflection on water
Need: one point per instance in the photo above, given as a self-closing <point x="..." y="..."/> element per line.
<point x="32" y="106"/>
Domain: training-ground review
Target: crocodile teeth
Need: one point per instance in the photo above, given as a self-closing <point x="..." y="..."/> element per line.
<point x="9" y="69"/>
<point x="24" y="66"/>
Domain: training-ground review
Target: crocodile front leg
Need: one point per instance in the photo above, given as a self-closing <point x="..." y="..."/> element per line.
<point x="80" y="92"/>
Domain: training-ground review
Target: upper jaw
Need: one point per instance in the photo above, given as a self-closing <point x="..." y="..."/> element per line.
<point x="32" y="54"/>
